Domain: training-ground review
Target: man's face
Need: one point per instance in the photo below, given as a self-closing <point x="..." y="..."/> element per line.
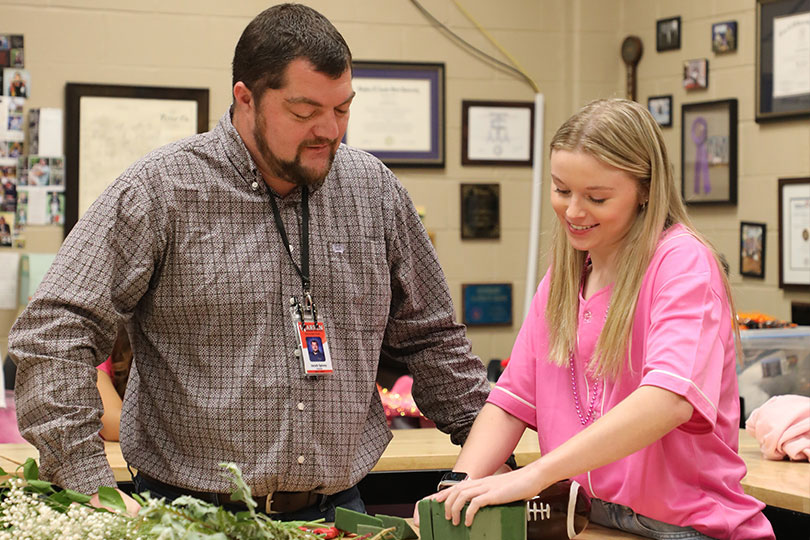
<point x="297" y="129"/>
<point x="314" y="346"/>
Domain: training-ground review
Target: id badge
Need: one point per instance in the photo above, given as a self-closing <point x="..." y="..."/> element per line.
<point x="314" y="348"/>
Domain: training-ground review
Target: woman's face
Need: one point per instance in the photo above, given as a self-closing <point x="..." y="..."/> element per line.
<point x="595" y="202"/>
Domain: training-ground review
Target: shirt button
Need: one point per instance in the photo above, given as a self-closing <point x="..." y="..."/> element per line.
<point x="300" y="406"/>
<point x="587" y="316"/>
<point x="300" y="460"/>
<point x="255" y="186"/>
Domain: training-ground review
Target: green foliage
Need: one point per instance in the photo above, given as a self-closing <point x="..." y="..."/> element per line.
<point x="185" y="518"/>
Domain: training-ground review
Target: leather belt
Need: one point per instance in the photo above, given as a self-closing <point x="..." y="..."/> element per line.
<point x="280" y="502"/>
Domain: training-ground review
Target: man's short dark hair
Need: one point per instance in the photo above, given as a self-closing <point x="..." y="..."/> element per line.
<point x="281" y="34"/>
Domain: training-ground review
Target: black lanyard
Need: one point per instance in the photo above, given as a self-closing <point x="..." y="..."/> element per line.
<point x="303" y="270"/>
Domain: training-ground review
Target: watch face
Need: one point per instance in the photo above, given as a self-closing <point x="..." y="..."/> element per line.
<point x="454" y="477"/>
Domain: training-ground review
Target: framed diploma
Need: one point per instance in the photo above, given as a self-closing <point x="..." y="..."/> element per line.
<point x="794" y="233"/>
<point x="480" y="211"/>
<point x="487" y="304"/>
<point x="497" y="133"/>
<point x="709" y="152"/>
<point x="398" y="113"/>
<point x="783" y="59"/>
<point x="108" y="127"/>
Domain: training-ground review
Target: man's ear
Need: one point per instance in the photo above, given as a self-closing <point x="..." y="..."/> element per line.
<point x="242" y="96"/>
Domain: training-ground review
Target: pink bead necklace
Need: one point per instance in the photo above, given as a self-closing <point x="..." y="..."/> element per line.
<point x="592" y="401"/>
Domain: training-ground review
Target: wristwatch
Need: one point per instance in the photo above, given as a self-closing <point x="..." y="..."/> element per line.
<point x="451" y="479"/>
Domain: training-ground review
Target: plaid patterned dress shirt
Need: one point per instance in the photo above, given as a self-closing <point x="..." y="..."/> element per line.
<point x="184" y="249"/>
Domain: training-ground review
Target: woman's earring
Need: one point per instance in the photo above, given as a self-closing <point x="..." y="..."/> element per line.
<point x="644" y="205"/>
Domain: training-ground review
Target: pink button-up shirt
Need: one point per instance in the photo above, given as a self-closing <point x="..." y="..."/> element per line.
<point x="682" y="341"/>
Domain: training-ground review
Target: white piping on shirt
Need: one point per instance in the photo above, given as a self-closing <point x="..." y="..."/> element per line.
<point x="520" y="399"/>
<point x="689" y="381"/>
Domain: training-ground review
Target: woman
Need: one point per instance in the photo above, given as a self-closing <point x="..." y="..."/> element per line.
<point x="112" y="383"/>
<point x="625" y="364"/>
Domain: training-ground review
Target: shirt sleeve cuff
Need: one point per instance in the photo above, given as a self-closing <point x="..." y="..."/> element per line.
<point x="514" y="405"/>
<point x="84" y="475"/>
<point x="705" y="415"/>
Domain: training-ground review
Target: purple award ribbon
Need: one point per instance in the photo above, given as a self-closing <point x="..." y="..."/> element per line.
<point x="700" y="131"/>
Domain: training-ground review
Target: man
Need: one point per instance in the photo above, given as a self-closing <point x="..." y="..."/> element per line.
<point x="186" y="248"/>
<point x="315" y="352"/>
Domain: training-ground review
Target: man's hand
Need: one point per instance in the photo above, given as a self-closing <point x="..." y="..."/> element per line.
<point x="132" y="505"/>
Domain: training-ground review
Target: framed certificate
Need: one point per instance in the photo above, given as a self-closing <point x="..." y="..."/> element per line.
<point x="783" y="59"/>
<point x="497" y="133"/>
<point x="794" y="233"/>
<point x="398" y="113"/>
<point x="108" y="127"/>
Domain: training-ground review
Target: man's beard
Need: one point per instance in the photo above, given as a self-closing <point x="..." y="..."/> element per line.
<point x="292" y="171"/>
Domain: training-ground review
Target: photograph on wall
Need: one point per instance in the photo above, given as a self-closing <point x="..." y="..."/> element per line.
<point x="696" y="74"/>
<point x="16" y="82"/>
<point x="55" y="210"/>
<point x="661" y="109"/>
<point x="45" y="171"/>
<point x="752" y="249"/>
<point x="6" y="229"/>
<point x="8" y="182"/>
<point x="709" y="152"/>
<point x="724" y="37"/>
<point x="668" y="34"/>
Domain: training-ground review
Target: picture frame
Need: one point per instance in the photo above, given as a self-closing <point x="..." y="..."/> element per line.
<point x="794" y="233"/>
<point x="486" y="304"/>
<point x="398" y="113"/>
<point x="497" y="133"/>
<point x="752" y="249"/>
<point x="108" y="127"/>
<point x="661" y="109"/>
<point x="696" y="74"/>
<point x="782" y="71"/>
<point x="668" y="34"/>
<point x="480" y="211"/>
<point x="724" y="37"/>
<point x="709" y="152"/>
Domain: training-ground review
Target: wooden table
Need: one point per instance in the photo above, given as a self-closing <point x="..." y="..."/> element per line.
<point x="430" y="449"/>
<point x="783" y="484"/>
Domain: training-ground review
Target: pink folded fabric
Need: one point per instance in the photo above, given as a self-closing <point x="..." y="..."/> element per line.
<point x="782" y="427"/>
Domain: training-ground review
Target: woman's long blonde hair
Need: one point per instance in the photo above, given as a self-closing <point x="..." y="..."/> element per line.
<point x="622" y="134"/>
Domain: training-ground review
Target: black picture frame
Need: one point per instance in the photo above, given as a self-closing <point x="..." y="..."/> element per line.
<point x="668" y="34"/>
<point x="399" y="129"/>
<point x="486" y="304"/>
<point x="480" y="211"/>
<point x="776" y="98"/>
<point x="79" y="102"/>
<point x="497" y="133"/>
<point x="696" y="74"/>
<point x="724" y="37"/>
<point x="660" y="108"/>
<point x="709" y="152"/>
<point x="794" y="234"/>
<point x="752" y="249"/>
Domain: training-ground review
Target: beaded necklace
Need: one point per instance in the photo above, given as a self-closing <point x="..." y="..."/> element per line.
<point x="592" y="401"/>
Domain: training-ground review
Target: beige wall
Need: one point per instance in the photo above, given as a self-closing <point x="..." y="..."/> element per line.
<point x="570" y="47"/>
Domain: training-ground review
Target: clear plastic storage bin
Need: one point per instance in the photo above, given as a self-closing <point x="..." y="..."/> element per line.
<point x="776" y="361"/>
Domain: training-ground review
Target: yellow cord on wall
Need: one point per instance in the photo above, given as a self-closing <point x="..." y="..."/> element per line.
<point x="498" y="46"/>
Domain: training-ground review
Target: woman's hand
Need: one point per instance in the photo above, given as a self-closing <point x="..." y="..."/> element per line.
<point x="522" y="484"/>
